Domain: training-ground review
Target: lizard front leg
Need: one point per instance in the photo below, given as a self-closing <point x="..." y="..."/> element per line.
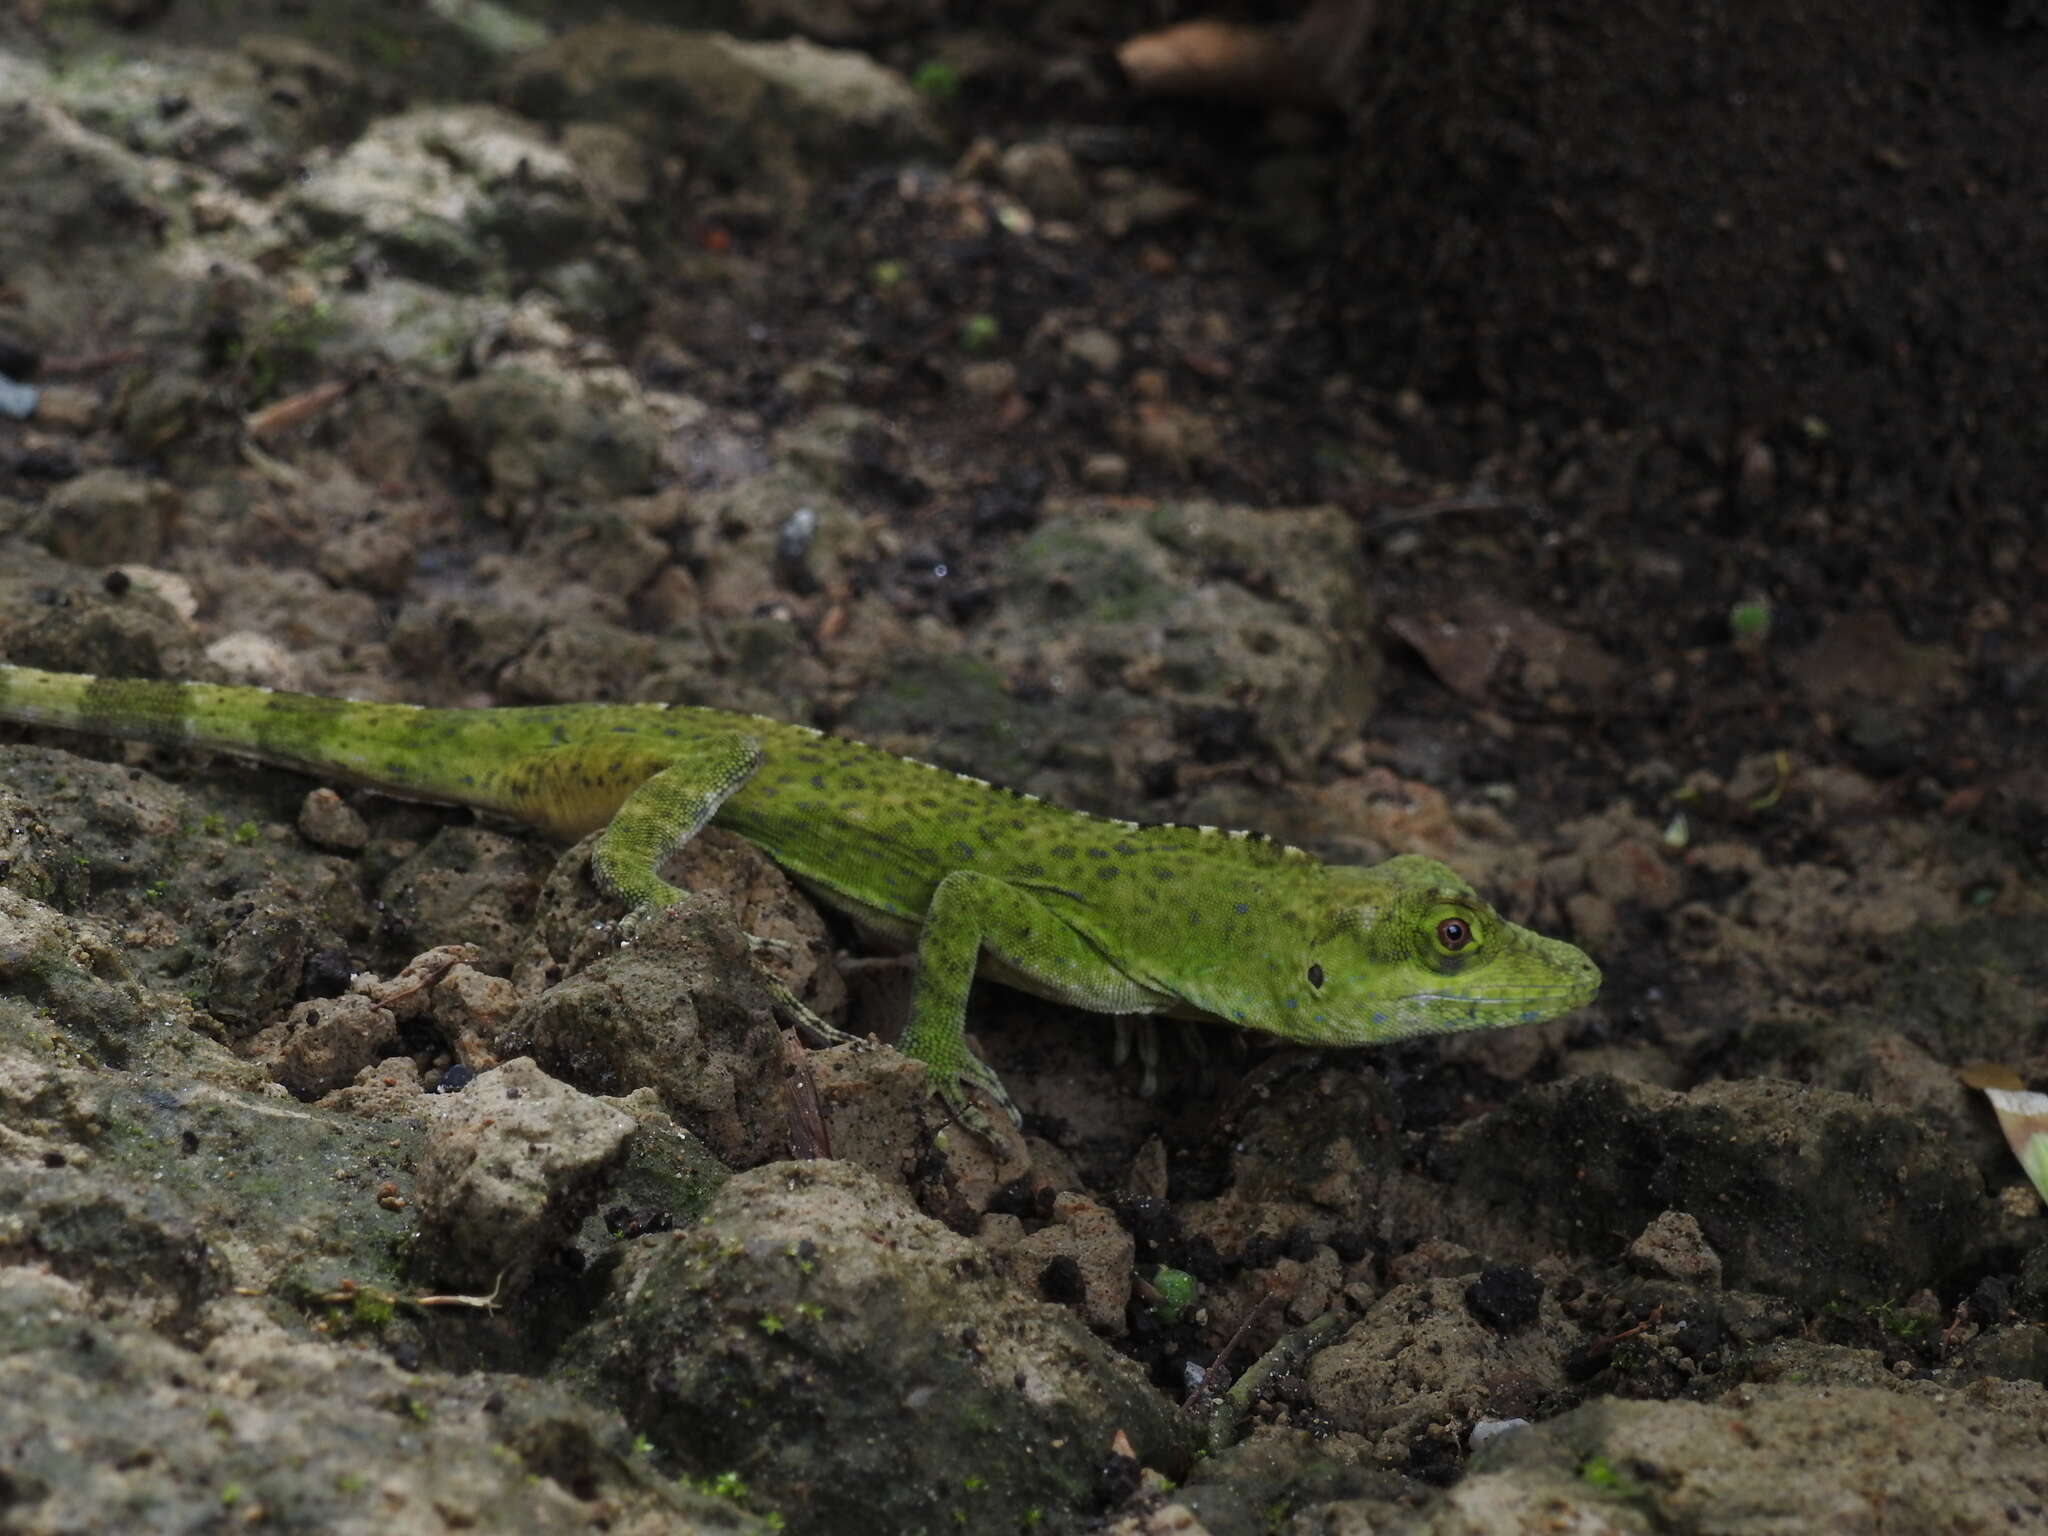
<point x="977" y="921"/>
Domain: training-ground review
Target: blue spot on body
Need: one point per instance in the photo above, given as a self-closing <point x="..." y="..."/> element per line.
<point x="1379" y="1018"/>
<point x="1321" y="1020"/>
<point x="1240" y="908"/>
<point x="1238" y="1015"/>
<point x="1531" y="1016"/>
<point x="1289" y="1003"/>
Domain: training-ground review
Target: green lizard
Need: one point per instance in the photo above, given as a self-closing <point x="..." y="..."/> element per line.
<point x="1115" y="916"/>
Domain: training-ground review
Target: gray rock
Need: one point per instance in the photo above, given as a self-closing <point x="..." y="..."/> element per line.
<point x="466" y="886"/>
<point x="109" y="517"/>
<point x="250" y="116"/>
<point x="447" y="194"/>
<point x="37" y="860"/>
<point x="1771" y="1460"/>
<point x="137" y="634"/>
<point x="771" y="114"/>
<point x="890" y="1380"/>
<point x="577" y="663"/>
<point x="1673" y="1247"/>
<point x="1420" y="1363"/>
<point x="324" y="1042"/>
<point x="328" y="821"/>
<point x="1094" y="349"/>
<point x="257" y="967"/>
<point x="114" y="1428"/>
<point x="1801" y="1191"/>
<point x="532" y="432"/>
<point x="71" y="972"/>
<point x="2016" y="1351"/>
<point x="80" y="211"/>
<point x="514" y="1167"/>
<point x="1087" y="1236"/>
<point x="1199" y="606"/>
<point x="1105" y="471"/>
<point x="680" y="1009"/>
<point x="1045" y="179"/>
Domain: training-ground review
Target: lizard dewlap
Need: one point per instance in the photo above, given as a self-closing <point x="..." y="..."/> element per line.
<point x="1101" y="914"/>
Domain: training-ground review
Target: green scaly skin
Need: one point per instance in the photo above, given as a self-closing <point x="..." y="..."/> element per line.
<point x="1107" y="915"/>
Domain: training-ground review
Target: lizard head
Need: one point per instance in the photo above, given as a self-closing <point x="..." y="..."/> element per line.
<point x="1410" y="949"/>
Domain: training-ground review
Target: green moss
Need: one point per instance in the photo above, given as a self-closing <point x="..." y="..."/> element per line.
<point x="936" y="80"/>
<point x="1897" y="1322"/>
<point x="279" y="351"/>
<point x="1598" y="1472"/>
<point x="980" y="332"/>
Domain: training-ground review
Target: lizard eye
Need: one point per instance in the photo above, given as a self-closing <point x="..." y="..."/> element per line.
<point x="1454" y="933"/>
<point x="1315" y="976"/>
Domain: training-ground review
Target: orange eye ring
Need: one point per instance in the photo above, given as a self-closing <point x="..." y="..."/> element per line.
<point x="1454" y="933"/>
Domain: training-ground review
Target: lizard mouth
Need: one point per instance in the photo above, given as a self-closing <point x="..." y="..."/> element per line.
<point x="1579" y="992"/>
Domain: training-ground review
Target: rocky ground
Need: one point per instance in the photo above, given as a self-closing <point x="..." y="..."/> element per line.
<point x="909" y="379"/>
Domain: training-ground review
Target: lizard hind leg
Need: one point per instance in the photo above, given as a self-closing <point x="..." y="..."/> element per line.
<point x="663" y="812"/>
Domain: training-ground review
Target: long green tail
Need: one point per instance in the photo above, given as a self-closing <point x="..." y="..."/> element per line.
<point x="400" y="747"/>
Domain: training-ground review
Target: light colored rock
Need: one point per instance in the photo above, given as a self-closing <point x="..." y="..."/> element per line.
<point x="1105" y="471"/>
<point x="1045" y="179"/>
<point x="1674" y="1248"/>
<point x="1093" y="348"/>
<point x="328" y="821"/>
<point x="110" y="517"/>
<point x="511" y="1173"/>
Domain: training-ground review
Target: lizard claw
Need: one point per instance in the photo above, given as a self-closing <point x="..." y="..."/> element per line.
<point x="952" y="1088"/>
